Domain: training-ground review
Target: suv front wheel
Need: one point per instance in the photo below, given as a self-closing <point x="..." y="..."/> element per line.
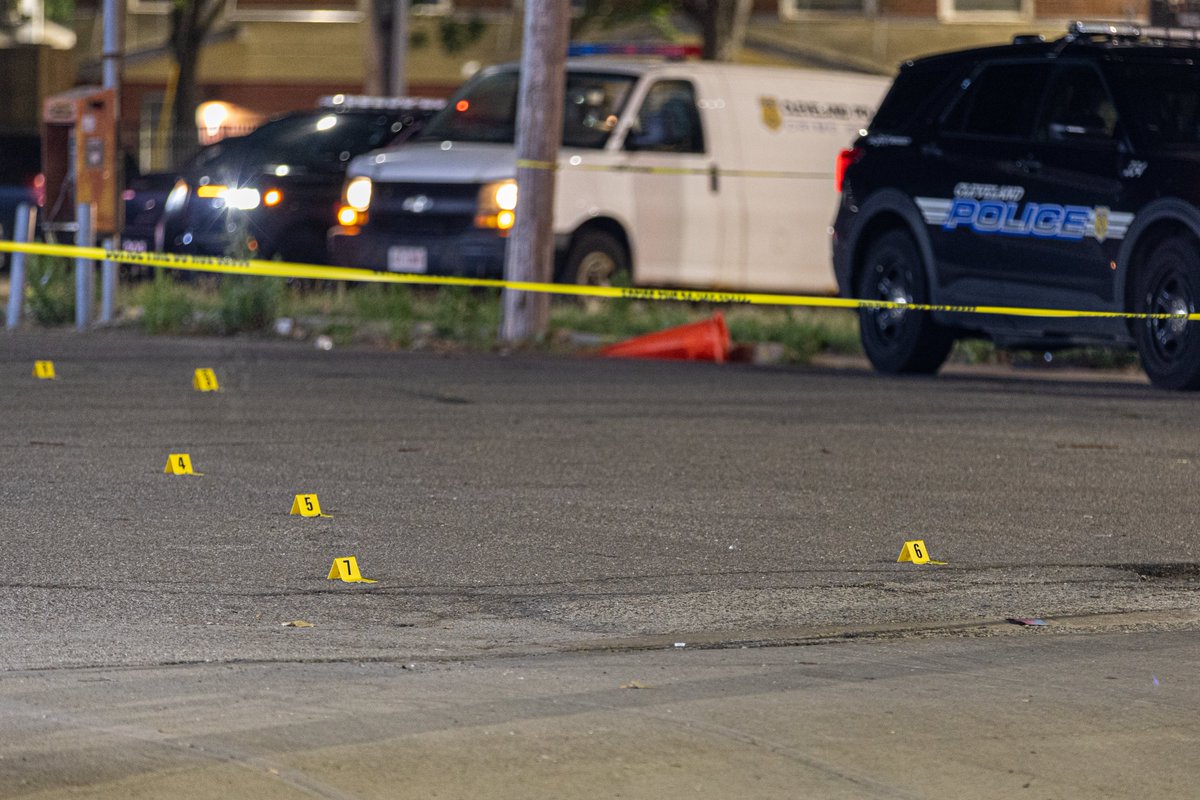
<point x="897" y="339"/>
<point x="1169" y="283"/>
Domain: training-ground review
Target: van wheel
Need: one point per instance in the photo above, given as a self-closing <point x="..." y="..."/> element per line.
<point x="596" y="258"/>
<point x="895" y="339"/>
<point x="1168" y="282"/>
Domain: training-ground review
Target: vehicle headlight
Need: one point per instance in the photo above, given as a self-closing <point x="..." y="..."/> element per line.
<point x="497" y="205"/>
<point x="358" y="193"/>
<point x="244" y="199"/>
<point x="176" y="197"/>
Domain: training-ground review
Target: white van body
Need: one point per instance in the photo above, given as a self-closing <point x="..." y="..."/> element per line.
<point x="747" y="207"/>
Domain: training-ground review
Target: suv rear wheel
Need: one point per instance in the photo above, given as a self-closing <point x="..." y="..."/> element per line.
<point x="896" y="339"/>
<point x="1168" y="282"/>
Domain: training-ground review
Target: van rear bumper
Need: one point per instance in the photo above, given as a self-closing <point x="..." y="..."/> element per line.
<point x="477" y="254"/>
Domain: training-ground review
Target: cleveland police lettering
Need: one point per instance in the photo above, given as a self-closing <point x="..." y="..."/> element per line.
<point x="997" y="209"/>
<point x="820" y="110"/>
<point x="988" y="191"/>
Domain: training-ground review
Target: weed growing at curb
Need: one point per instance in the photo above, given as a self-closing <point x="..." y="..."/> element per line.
<point x="50" y="287"/>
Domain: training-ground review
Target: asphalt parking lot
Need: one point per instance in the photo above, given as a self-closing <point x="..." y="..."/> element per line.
<point x="721" y="541"/>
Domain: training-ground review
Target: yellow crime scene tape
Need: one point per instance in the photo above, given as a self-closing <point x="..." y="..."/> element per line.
<point x="287" y="269"/>
<point x="550" y="166"/>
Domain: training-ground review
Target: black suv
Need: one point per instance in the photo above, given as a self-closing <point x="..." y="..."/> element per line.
<point x="1053" y="175"/>
<point x="275" y="191"/>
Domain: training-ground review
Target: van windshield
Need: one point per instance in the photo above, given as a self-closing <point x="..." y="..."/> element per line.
<point x="486" y="110"/>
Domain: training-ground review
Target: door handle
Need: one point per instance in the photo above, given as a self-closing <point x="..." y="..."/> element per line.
<point x="713" y="178"/>
<point x="1029" y="165"/>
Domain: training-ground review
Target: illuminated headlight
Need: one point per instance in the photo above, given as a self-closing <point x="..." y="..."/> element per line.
<point x="177" y="196"/>
<point x="497" y="205"/>
<point x="358" y="193"/>
<point x="243" y="199"/>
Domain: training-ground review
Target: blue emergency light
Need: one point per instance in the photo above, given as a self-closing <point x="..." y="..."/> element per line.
<point x="633" y="49"/>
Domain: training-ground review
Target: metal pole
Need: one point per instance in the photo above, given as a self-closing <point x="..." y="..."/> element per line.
<point x="111" y="57"/>
<point x="397" y="69"/>
<point x="108" y="286"/>
<point x="530" y="255"/>
<point x="85" y="213"/>
<point x="112" y="60"/>
<point x="22" y="234"/>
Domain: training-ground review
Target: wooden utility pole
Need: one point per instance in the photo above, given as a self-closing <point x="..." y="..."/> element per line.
<point x="530" y="254"/>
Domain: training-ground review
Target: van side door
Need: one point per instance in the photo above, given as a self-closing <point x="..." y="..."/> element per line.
<point x="677" y="215"/>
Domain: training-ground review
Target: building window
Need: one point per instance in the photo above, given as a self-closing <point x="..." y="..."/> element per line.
<point x="985" y="10"/>
<point x="431" y="7"/>
<point x="294" y="10"/>
<point x="148" y="6"/>
<point x="807" y="9"/>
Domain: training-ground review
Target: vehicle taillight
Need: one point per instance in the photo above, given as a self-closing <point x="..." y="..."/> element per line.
<point x="844" y="160"/>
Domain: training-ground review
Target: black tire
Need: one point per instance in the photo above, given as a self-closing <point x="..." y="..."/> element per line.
<point x="595" y="258"/>
<point x="897" y="340"/>
<point x="1168" y="282"/>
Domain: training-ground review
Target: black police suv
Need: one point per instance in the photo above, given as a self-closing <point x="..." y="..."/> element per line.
<point x="1048" y="175"/>
<point x="275" y="191"/>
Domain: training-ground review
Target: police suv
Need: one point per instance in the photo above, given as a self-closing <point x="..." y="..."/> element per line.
<point x="1060" y="175"/>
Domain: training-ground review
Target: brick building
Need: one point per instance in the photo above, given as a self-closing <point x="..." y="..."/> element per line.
<point x="268" y="56"/>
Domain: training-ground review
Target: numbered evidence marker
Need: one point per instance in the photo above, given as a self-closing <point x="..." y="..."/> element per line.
<point x="346" y="569"/>
<point x="179" y="464"/>
<point x="44" y="370"/>
<point x="205" y="380"/>
<point x="915" y="551"/>
<point x="306" y="505"/>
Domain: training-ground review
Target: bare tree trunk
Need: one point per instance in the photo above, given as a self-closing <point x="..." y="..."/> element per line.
<point x="375" y="48"/>
<point x="530" y="255"/>
<point x="732" y="43"/>
<point x="722" y="25"/>
<point x="191" y="21"/>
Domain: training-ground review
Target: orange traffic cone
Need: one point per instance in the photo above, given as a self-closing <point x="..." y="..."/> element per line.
<point x="707" y="340"/>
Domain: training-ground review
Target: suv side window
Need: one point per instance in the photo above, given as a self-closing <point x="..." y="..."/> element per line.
<point x="1001" y="101"/>
<point x="915" y="89"/>
<point x="1162" y="101"/>
<point x="1078" y="107"/>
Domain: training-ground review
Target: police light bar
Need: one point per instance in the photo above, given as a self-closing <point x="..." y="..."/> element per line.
<point x="634" y="49"/>
<point x="370" y="101"/>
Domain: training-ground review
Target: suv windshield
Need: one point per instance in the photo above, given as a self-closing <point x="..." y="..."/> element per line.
<point x="486" y="110"/>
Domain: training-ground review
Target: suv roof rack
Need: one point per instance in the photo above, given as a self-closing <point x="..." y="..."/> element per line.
<point x="1128" y="32"/>
<point x="363" y="101"/>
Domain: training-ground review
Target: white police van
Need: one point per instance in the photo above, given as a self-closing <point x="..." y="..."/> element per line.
<point x="678" y="173"/>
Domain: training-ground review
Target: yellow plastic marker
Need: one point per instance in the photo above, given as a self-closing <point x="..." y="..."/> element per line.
<point x="346" y="569"/>
<point x="180" y="464"/>
<point x="44" y="370"/>
<point x="205" y="380"/>
<point x="307" y="505"/>
<point x="915" y="551"/>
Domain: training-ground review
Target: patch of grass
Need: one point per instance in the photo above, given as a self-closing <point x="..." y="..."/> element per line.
<point x="467" y="315"/>
<point x="50" y="284"/>
<point x="803" y="332"/>
<point x="167" y="305"/>
<point x="248" y="303"/>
